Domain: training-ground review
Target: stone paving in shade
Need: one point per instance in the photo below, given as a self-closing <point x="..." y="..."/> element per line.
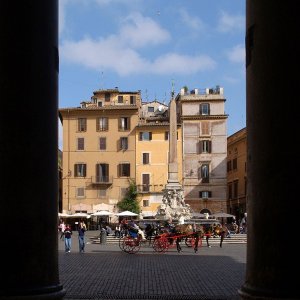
<point x="106" y="272"/>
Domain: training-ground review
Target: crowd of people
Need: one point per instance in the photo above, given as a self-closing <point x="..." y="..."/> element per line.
<point x="145" y="231"/>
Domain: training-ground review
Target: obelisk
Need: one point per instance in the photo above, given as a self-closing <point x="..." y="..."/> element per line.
<point x="173" y="182"/>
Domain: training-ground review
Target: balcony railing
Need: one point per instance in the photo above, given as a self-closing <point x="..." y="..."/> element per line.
<point x="102" y="179"/>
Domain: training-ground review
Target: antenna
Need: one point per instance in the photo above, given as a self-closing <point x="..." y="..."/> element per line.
<point x="172" y="92"/>
<point x="146" y="95"/>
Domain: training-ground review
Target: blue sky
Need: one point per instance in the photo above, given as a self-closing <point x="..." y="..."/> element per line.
<point x="148" y="44"/>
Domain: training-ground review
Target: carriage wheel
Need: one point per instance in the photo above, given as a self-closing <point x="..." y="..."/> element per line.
<point x="129" y="245"/>
<point x="161" y="244"/>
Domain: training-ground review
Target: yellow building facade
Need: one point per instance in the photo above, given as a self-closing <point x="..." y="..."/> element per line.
<point x="237" y="173"/>
<point x="99" y="142"/>
<point x="152" y="150"/>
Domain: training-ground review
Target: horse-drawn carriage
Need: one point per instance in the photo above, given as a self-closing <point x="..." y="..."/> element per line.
<point x="165" y="238"/>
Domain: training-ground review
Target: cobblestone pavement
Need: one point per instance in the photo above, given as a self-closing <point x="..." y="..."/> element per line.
<point x="106" y="272"/>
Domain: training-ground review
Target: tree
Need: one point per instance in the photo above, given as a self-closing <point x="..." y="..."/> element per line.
<point x="129" y="202"/>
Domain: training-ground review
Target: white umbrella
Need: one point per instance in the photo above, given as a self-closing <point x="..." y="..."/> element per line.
<point x="102" y="213"/>
<point x="222" y="215"/>
<point x="63" y="215"/>
<point x="126" y="213"/>
<point x="80" y="215"/>
<point x="198" y="215"/>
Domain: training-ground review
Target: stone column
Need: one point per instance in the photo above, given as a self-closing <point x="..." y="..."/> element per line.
<point x="272" y="55"/>
<point x="29" y="149"/>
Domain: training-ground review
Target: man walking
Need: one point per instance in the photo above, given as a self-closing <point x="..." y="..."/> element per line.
<point x="81" y="236"/>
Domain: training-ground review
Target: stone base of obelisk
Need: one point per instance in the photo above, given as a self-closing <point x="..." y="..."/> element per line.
<point x="173" y="206"/>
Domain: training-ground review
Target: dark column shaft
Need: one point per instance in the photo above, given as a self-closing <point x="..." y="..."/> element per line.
<point x="273" y="154"/>
<point x="28" y="149"/>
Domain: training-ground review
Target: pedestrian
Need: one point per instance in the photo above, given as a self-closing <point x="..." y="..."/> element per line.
<point x="62" y="228"/>
<point x="81" y="236"/>
<point x="118" y="231"/>
<point x="223" y="233"/>
<point x="68" y="238"/>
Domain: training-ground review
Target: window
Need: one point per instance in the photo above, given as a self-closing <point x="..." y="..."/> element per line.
<point x="229" y="190"/>
<point x="235" y="188"/>
<point x="205" y="128"/>
<point x="133" y="100"/>
<point x="101" y="193"/>
<point x="205" y="146"/>
<point x="120" y="99"/>
<point x="205" y="194"/>
<point x="102" y="143"/>
<point x="234" y="164"/>
<point x="80" y="143"/>
<point x="124" y="123"/>
<point x="102" y="124"/>
<point x="102" y="172"/>
<point x="145" y="136"/>
<point x="123" y="143"/>
<point x="107" y="97"/>
<point x="146" y="158"/>
<point x="229" y="166"/>
<point x="80" y="192"/>
<point x="204" y="173"/>
<point x="124" y="170"/>
<point x="146" y="203"/>
<point x="150" y="108"/>
<point x="204" y="109"/>
<point x="81" y="124"/>
<point x="80" y="170"/>
<point x="99" y="104"/>
<point x="166" y="135"/>
<point x="123" y="192"/>
<point x="146" y="182"/>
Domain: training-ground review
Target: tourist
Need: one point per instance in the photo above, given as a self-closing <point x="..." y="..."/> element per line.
<point x="68" y="238"/>
<point x="81" y="236"/>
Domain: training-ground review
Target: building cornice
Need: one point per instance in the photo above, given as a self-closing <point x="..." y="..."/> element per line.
<point x="203" y="117"/>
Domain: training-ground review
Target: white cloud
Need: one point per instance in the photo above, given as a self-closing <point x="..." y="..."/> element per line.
<point x="237" y="54"/>
<point x="190" y="21"/>
<point x="139" y="31"/>
<point x="230" y="23"/>
<point x="119" y="52"/>
<point x="61" y="15"/>
<point x="106" y="54"/>
<point x="182" y="64"/>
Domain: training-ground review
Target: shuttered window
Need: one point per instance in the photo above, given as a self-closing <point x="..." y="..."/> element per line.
<point x="124" y="170"/>
<point x="80" y="170"/>
<point x="145" y="136"/>
<point x="81" y="124"/>
<point x="102" y="124"/>
<point x="102" y="143"/>
<point x="80" y="143"/>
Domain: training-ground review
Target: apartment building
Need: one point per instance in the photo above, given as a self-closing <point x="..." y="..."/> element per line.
<point x="99" y="150"/>
<point x="152" y="149"/>
<point x="204" y="150"/>
<point x="237" y="173"/>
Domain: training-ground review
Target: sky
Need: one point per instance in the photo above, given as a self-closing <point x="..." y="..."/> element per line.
<point x="153" y="46"/>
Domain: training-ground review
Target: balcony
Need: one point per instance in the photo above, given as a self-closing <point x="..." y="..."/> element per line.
<point x="102" y="180"/>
